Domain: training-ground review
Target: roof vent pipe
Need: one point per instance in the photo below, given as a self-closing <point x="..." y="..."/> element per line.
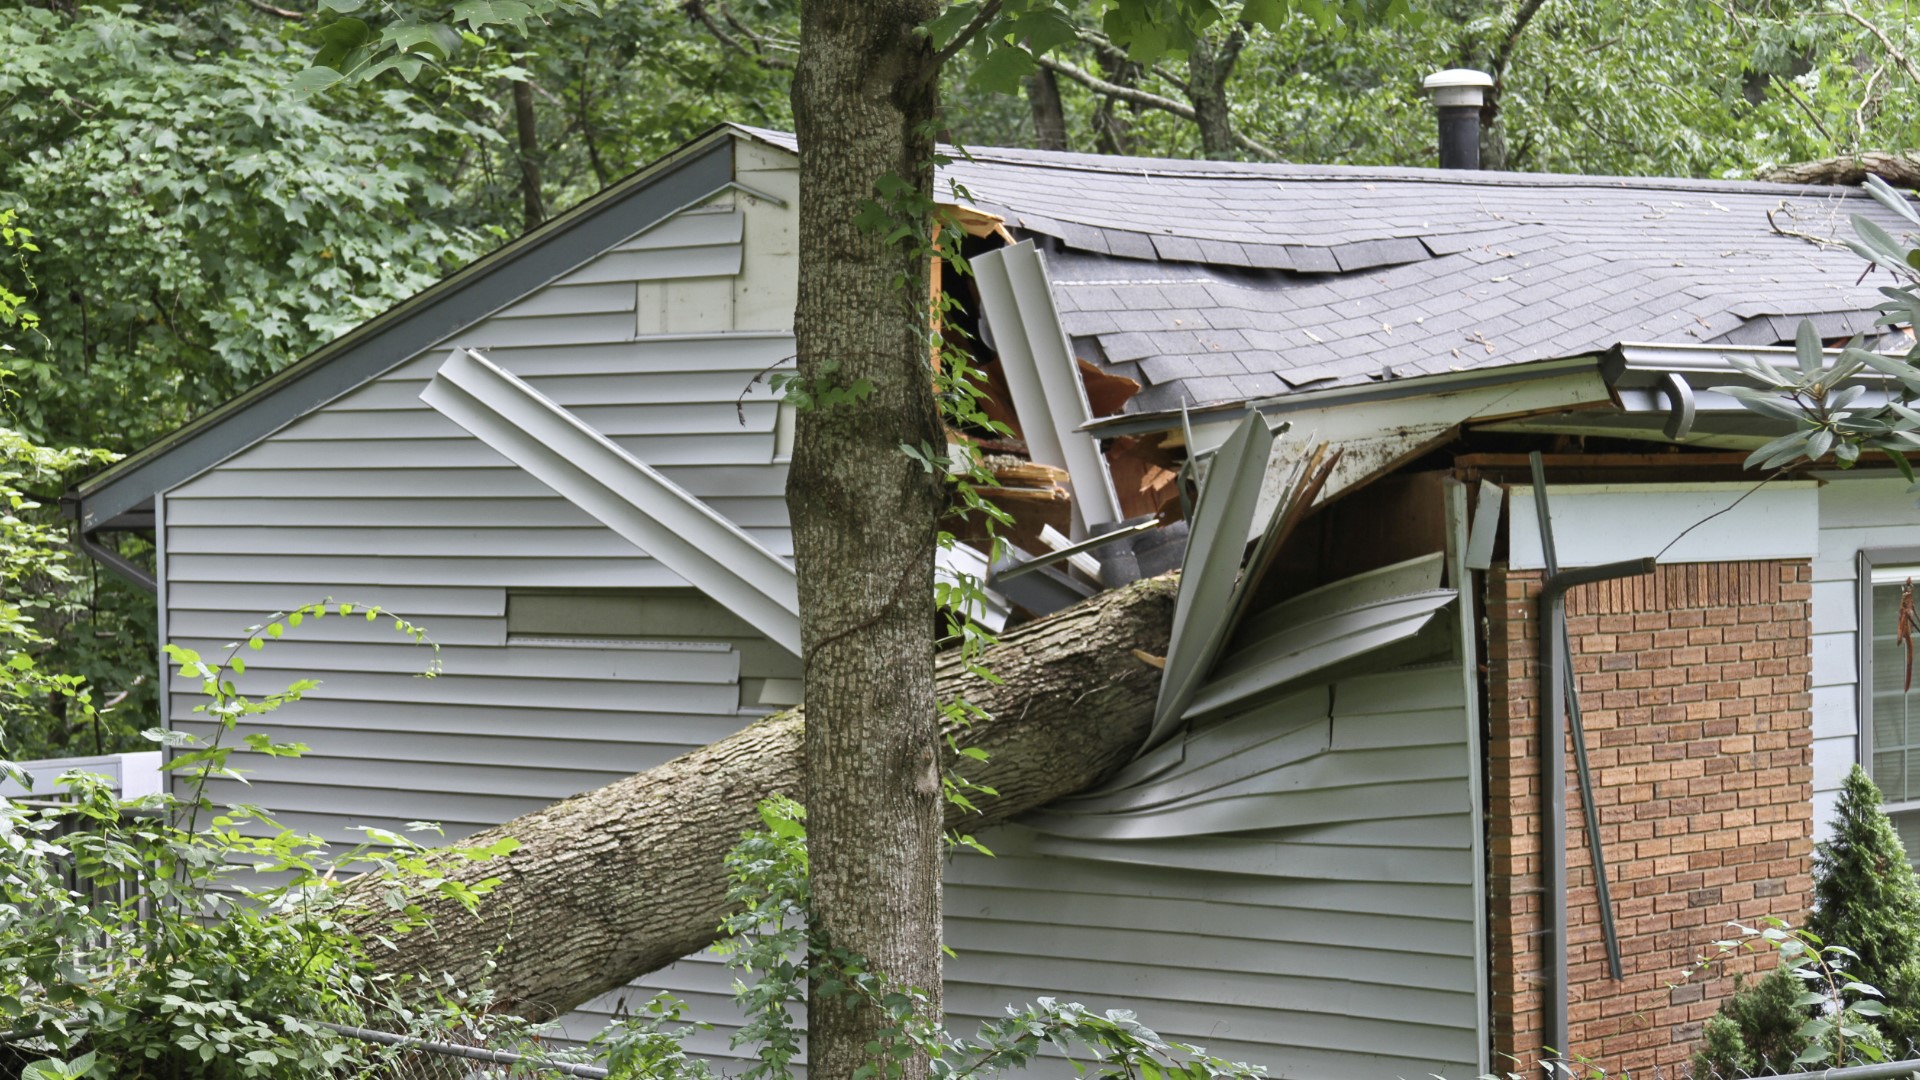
<point x="1458" y="94"/>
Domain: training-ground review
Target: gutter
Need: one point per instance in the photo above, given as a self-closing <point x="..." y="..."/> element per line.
<point x="70" y="507"/>
<point x="1607" y="363"/>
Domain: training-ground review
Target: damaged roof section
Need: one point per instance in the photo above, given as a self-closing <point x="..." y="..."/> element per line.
<point x="1211" y="282"/>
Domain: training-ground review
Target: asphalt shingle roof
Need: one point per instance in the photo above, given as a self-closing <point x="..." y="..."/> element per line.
<point x="1222" y="281"/>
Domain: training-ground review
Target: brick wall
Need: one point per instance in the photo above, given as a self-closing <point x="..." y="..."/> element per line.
<point x="1694" y="684"/>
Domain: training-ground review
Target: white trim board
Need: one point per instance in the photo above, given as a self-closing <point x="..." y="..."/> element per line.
<point x="1729" y="522"/>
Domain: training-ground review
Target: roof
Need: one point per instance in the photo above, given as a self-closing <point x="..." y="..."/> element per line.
<point x="1219" y="282"/>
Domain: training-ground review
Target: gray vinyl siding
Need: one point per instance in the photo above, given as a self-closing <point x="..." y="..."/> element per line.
<point x="1335" y="944"/>
<point x="1856" y="514"/>
<point x="377" y="499"/>
<point x="1343" y="947"/>
<point x="1339" y="941"/>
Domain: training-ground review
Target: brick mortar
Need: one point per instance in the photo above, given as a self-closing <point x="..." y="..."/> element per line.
<point x="1696" y="691"/>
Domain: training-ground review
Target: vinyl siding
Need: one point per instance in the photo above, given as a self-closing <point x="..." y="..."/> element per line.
<point x="1337" y="943"/>
<point x="375" y="498"/>
<point x="1856" y="514"/>
<point x="663" y="344"/>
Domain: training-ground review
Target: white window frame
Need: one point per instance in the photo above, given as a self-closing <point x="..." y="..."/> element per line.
<point x="1887" y="562"/>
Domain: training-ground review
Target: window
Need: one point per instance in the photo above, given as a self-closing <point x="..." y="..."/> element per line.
<point x="1890" y="742"/>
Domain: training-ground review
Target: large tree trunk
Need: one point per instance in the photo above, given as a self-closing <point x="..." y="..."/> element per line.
<point x="864" y="512"/>
<point x="1894" y="166"/>
<point x="1209" y="66"/>
<point x="1049" y="115"/>
<point x="614" y="883"/>
<point x="533" y="209"/>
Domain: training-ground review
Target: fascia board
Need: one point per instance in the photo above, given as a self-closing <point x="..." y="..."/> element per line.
<point x="1041" y="375"/>
<point x="1679" y="522"/>
<point x="620" y="491"/>
<point x="469" y="295"/>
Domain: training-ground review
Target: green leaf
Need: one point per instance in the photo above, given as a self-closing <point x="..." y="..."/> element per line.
<point x="312" y="81"/>
<point x="1808" y="348"/>
<point x="1002" y="68"/>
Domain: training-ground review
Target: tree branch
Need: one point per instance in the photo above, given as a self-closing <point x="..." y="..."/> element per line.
<point x="1132" y="95"/>
<point x="1143" y="98"/>
<point x="697" y="10"/>
<point x="981" y="19"/>
<point x="1906" y="65"/>
<point x="1229" y="57"/>
<point x="278" y="12"/>
<point x="1900" y="167"/>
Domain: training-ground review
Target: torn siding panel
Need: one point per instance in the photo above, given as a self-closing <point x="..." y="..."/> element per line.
<point x="1216" y="546"/>
<point x="1356" y="913"/>
<point x="1354" y="785"/>
<point x="353" y="502"/>
<point x="1017" y="304"/>
<point x="622" y="492"/>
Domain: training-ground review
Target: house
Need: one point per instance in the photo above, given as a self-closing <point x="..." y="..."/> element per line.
<point x="1338" y="857"/>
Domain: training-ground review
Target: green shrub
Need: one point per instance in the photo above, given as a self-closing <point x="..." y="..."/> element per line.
<point x="1722" y="1051"/>
<point x="1864" y="894"/>
<point x="1768" y="1019"/>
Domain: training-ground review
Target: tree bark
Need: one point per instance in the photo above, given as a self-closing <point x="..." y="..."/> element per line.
<point x="533" y="209"/>
<point x="1493" y="130"/>
<point x="1049" y="115"/>
<point x="864" y="513"/>
<point x="1894" y="166"/>
<point x="614" y="883"/>
<point x="1209" y="66"/>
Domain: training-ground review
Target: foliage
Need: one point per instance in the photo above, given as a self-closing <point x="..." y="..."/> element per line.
<point x="1812" y="1009"/>
<point x="36" y="573"/>
<point x="1864" y="893"/>
<point x="1823" y="401"/>
<point x="1756" y="1028"/>
<point x="133" y="944"/>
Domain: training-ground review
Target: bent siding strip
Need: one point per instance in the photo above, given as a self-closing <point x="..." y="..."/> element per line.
<point x="1339" y="806"/>
<point x="621" y="491"/>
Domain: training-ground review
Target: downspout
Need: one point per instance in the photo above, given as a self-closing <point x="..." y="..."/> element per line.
<point x="116" y="562"/>
<point x="119" y="564"/>
<point x="1554" y="658"/>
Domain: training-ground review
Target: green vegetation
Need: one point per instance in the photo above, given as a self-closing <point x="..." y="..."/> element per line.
<point x="1846" y="990"/>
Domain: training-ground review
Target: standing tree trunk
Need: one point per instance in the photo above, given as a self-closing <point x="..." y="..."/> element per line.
<point x="1208" y="69"/>
<point x="1049" y="115"/>
<point x="864" y="512"/>
<point x="533" y="209"/>
<point x="1493" y="129"/>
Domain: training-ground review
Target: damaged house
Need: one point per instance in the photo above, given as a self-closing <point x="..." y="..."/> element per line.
<point x="1343" y="853"/>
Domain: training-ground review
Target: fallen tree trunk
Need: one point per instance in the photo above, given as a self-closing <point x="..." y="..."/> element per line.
<point x="611" y="884"/>
<point x="1900" y="167"/>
